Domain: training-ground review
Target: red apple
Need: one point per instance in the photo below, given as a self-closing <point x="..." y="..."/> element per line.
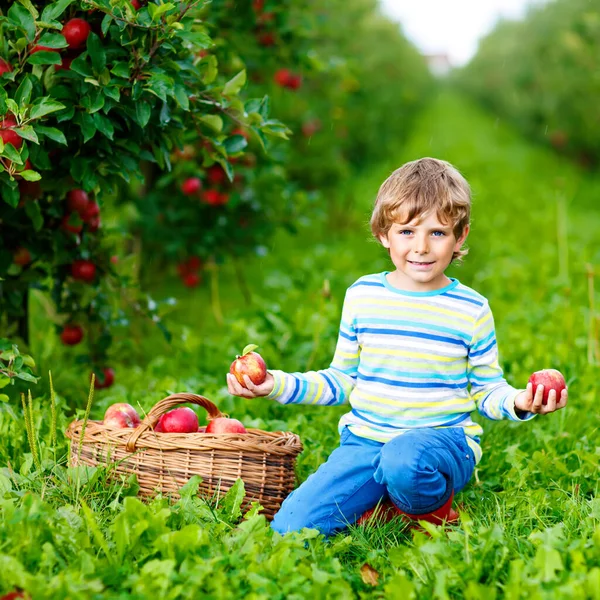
<point x="266" y="39"/>
<point x="5" y="67"/>
<point x="191" y="280"/>
<point x="551" y="379"/>
<point x="294" y="82"/>
<point x="76" y="32"/>
<point x="78" y="200"/>
<point x="225" y="425"/>
<point x="14" y="595"/>
<point x="249" y="363"/>
<point x="71" y="335"/>
<point x="179" y="420"/>
<point x="121" y="415"/>
<point x="91" y="212"/>
<point x="22" y="257"/>
<point x="215" y="197"/>
<point x="216" y="175"/>
<point x="83" y="270"/>
<point x="282" y="77"/>
<point x="67" y="224"/>
<point x="136" y="4"/>
<point x="191" y="186"/>
<point x="109" y="378"/>
<point x="8" y="134"/>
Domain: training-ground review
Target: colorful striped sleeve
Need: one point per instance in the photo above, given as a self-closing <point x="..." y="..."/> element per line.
<point x="494" y="397"/>
<point x="330" y="386"/>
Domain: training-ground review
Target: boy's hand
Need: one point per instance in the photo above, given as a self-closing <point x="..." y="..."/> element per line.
<point x="528" y="402"/>
<point x="251" y="390"/>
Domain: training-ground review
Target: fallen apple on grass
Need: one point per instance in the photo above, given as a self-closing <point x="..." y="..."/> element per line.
<point x="121" y="415"/>
<point x="249" y="363"/>
<point x="551" y="379"/>
<point x="178" y="420"/>
<point x="225" y="425"/>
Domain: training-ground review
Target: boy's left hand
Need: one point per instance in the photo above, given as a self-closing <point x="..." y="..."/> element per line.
<point x="528" y="402"/>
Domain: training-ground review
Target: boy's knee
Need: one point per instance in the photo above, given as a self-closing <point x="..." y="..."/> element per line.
<point x="400" y="460"/>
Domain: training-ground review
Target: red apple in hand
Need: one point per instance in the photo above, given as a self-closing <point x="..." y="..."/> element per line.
<point x="249" y="363"/>
<point x="121" y="415"/>
<point x="551" y="379"/>
<point x="178" y="420"/>
<point x="225" y="425"/>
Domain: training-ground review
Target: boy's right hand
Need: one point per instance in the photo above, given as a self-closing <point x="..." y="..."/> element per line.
<point x="251" y="390"/>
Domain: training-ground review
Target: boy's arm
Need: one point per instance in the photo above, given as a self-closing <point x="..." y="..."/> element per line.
<point x="330" y="386"/>
<point x="494" y="397"/>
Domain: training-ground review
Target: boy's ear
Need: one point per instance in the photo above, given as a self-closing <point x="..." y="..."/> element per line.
<point x="383" y="238"/>
<point x="462" y="238"/>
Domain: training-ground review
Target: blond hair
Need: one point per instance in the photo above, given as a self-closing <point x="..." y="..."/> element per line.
<point x="417" y="188"/>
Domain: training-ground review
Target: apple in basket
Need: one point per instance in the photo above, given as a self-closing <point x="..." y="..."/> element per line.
<point x="121" y="415"/>
<point x="178" y="420"/>
<point x="225" y="425"/>
<point x="249" y="363"/>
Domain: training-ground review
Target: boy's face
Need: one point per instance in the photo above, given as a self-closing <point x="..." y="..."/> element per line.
<point x="421" y="251"/>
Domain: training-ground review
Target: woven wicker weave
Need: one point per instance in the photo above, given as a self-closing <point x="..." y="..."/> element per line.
<point x="163" y="462"/>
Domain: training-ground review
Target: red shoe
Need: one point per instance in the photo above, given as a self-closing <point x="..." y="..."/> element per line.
<point x="388" y="510"/>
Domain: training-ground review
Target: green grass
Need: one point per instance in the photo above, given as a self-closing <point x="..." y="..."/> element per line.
<point x="530" y="524"/>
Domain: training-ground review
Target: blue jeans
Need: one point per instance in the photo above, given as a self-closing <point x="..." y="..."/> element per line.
<point x="418" y="470"/>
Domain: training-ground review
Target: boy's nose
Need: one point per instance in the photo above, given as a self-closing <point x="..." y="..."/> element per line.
<point x="421" y="246"/>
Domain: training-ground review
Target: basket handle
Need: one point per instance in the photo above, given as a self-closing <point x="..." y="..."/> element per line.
<point x="161" y="407"/>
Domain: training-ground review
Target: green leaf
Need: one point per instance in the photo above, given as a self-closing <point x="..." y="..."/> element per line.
<point x="231" y="503"/>
<point x="142" y="113"/>
<point x="23" y="94"/>
<point x="249" y="348"/>
<point x="156" y="11"/>
<point x="234" y="85"/>
<point x="44" y="106"/>
<point x="182" y="97"/>
<point x="106" y="23"/>
<point x="53" y="40"/>
<point x="213" y="121"/>
<point x="52" y="133"/>
<point x="9" y="192"/>
<point x="54" y="10"/>
<point x="80" y="66"/>
<point x="235" y="144"/>
<point x="30" y="175"/>
<point x="121" y="69"/>
<point x="28" y="133"/>
<point x="96" y="52"/>
<point x="32" y="210"/>
<point x="86" y="124"/>
<point x="104" y="125"/>
<point x="113" y="93"/>
<point x="12" y="153"/>
<point x="44" y="57"/>
<point x="23" y="19"/>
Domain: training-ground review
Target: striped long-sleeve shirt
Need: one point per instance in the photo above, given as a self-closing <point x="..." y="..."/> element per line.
<point x="409" y="359"/>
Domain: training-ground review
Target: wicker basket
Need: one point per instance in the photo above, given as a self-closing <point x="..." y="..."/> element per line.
<point x="163" y="462"/>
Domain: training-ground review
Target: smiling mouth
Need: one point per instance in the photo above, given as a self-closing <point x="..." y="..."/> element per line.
<point x="412" y="262"/>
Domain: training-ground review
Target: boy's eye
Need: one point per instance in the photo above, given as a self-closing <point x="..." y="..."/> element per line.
<point x="440" y="232"/>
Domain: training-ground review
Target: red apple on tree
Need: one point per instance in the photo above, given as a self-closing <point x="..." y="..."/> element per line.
<point x="191" y="280"/>
<point x="191" y="186"/>
<point x="551" y="379"/>
<point x="76" y="32"/>
<point x="108" y="378"/>
<point x="77" y="201"/>
<point x="22" y="257"/>
<point x="178" y="420"/>
<point x="249" y="363"/>
<point x="216" y="175"/>
<point x="8" y="134"/>
<point x="121" y="415"/>
<point x="71" y="335"/>
<point x="5" y="67"/>
<point x="83" y="270"/>
<point x="225" y="425"/>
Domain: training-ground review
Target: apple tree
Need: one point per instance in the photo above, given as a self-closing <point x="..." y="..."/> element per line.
<point x="90" y="91"/>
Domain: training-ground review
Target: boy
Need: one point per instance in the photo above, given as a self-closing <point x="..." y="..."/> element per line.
<point x="410" y="343"/>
